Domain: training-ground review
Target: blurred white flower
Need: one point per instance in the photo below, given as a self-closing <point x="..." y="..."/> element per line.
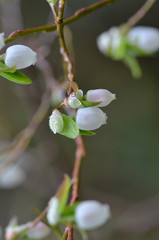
<point x="2" y="43"/>
<point x="145" y="38"/>
<point x="12" y="177"/>
<point x="90" y="118"/>
<point x="39" y="231"/>
<point x="109" y="39"/>
<point x="12" y="230"/>
<point x="56" y="121"/>
<point x="100" y="95"/>
<point x="91" y="214"/>
<point x="20" y="56"/>
<point x="53" y="213"/>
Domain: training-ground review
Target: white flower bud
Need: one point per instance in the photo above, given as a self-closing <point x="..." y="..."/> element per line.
<point x="100" y="95"/>
<point x="108" y="39"/>
<point x="20" y="56"/>
<point x="90" y="118"/>
<point x="104" y="42"/>
<point x="56" y="121"/>
<point x="73" y="102"/>
<point x="79" y="94"/>
<point x="53" y="214"/>
<point x="2" y="43"/>
<point x="39" y="231"/>
<point x="91" y="214"/>
<point x="145" y="38"/>
<point x="12" y="177"/>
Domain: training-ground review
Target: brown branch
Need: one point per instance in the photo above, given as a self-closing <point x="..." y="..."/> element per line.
<point x="132" y="21"/>
<point x="52" y="27"/>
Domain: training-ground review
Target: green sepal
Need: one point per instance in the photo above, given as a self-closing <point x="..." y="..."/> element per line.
<point x="16" y="77"/>
<point x="86" y="132"/>
<point x="89" y="104"/>
<point x="133" y="65"/>
<point x="9" y="69"/>
<point x="70" y="128"/>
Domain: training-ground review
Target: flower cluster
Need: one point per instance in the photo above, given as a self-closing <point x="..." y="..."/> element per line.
<point x="121" y="44"/>
<point x="88" y="115"/>
<point x="88" y="215"/>
<point x="144" y="38"/>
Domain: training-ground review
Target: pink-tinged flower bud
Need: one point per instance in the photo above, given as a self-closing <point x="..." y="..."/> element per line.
<point x="145" y="38"/>
<point x="39" y="231"/>
<point x="12" y="230"/>
<point x="53" y="213"/>
<point x="100" y="95"/>
<point x="2" y="43"/>
<point x="20" y="56"/>
<point x="91" y="214"/>
<point x="90" y="118"/>
<point x="56" y="121"/>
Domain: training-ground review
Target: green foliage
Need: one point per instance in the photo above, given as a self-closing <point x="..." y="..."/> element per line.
<point x="63" y="193"/>
<point x="12" y="75"/>
<point x="86" y="132"/>
<point x="89" y="104"/>
<point x="70" y="128"/>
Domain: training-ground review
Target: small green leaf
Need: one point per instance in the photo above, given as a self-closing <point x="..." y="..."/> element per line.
<point x="70" y="128"/>
<point x="134" y="66"/>
<point x="86" y="132"/>
<point x="63" y="193"/>
<point x="16" y="76"/>
<point x="69" y="209"/>
<point x="90" y="104"/>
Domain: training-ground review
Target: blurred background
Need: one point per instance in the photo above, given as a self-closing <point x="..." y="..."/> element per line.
<point x="122" y="162"/>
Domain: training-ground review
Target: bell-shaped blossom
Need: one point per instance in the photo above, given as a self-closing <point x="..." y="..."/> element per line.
<point x="100" y="95"/>
<point x="91" y="214"/>
<point x="20" y="56"/>
<point x="39" y="231"/>
<point x="90" y="118"/>
<point x="53" y="213"/>
<point x="145" y="38"/>
<point x="12" y="177"/>
<point x="2" y="43"/>
<point x="56" y="121"/>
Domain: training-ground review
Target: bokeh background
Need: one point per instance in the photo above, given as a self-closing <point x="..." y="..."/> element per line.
<point x="122" y="162"/>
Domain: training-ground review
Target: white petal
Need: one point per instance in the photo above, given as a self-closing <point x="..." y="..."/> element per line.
<point x="53" y="214"/>
<point x="20" y="56"/>
<point x="146" y="38"/>
<point x="100" y="95"/>
<point x="90" y="118"/>
<point x="91" y="214"/>
<point x="39" y="231"/>
<point x="104" y="42"/>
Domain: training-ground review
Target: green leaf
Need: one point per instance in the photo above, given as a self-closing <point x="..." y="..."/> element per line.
<point x="86" y="132"/>
<point x="134" y="66"/>
<point x="63" y="193"/>
<point x="16" y="76"/>
<point x="90" y="104"/>
<point x="70" y="128"/>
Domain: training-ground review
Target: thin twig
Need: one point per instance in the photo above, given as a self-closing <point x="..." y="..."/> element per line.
<point x="52" y="27"/>
<point x="132" y="21"/>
